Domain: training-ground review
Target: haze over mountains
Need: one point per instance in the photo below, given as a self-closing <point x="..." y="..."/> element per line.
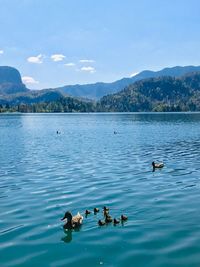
<point x="171" y="89"/>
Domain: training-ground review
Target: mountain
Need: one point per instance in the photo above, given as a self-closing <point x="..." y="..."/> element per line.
<point x="156" y="94"/>
<point x="94" y="91"/>
<point x="9" y="75"/>
<point x="14" y="92"/>
<point x="98" y="90"/>
<point x="10" y="81"/>
<point x="14" y="96"/>
<point x="171" y="92"/>
<point x="152" y="94"/>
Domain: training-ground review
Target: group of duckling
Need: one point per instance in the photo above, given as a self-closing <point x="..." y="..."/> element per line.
<point x="107" y="217"/>
<point x="76" y="221"/>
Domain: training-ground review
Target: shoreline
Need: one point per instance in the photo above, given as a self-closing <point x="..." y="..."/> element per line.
<point x="106" y="113"/>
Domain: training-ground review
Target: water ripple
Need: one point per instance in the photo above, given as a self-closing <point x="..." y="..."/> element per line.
<point x="43" y="175"/>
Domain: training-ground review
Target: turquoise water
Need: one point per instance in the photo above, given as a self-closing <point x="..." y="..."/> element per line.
<point x="43" y="174"/>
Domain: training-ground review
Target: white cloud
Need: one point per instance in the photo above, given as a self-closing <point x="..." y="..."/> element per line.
<point x="57" y="57"/>
<point x="86" y="61"/>
<point x="28" y="79"/>
<point x="1" y="52"/>
<point x="38" y="59"/>
<point x="88" y="69"/>
<point x="134" y="74"/>
<point x="70" y="64"/>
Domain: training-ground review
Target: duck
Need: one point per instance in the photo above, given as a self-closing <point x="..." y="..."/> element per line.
<point x="157" y="165"/>
<point x="96" y="210"/>
<point x="87" y="212"/>
<point x="124" y="217"/>
<point x="116" y="221"/>
<point x="101" y="223"/>
<point x="72" y="221"/>
<point x="108" y="219"/>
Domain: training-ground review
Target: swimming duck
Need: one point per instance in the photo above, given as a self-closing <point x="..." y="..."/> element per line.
<point x="108" y="219"/>
<point x="96" y="210"/>
<point x="101" y="223"/>
<point x="157" y="165"/>
<point x="87" y="212"/>
<point x="124" y="217"/>
<point x="72" y="221"/>
<point x="115" y="221"/>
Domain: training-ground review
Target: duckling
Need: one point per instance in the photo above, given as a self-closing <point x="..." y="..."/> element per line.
<point x="115" y="221"/>
<point x="87" y="212"/>
<point x="96" y="210"/>
<point x="101" y="223"/>
<point x="105" y="213"/>
<point x="72" y="221"/>
<point x="124" y="217"/>
<point x="157" y="165"/>
<point x="105" y="208"/>
<point x="108" y="219"/>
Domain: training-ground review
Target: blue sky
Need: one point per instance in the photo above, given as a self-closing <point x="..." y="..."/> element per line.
<point x="59" y="42"/>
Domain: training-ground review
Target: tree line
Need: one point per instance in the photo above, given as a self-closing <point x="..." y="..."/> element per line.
<point x="163" y="94"/>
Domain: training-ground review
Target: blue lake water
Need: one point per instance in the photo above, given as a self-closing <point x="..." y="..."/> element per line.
<point x="43" y="174"/>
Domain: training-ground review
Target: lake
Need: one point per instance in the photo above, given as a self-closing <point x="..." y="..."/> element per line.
<point x="43" y="174"/>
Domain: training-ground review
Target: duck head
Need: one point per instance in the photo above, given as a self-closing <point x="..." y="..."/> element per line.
<point x="67" y="216"/>
<point x="153" y="164"/>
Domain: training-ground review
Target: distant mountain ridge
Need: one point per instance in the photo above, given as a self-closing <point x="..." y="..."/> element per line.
<point x="10" y="81"/>
<point x="161" y="94"/>
<point x="97" y="90"/>
<point x="14" y="92"/>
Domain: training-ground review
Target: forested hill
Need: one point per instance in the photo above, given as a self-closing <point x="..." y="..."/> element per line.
<point x="156" y="94"/>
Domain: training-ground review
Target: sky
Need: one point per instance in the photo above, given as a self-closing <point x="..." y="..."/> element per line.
<point x="59" y="42"/>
